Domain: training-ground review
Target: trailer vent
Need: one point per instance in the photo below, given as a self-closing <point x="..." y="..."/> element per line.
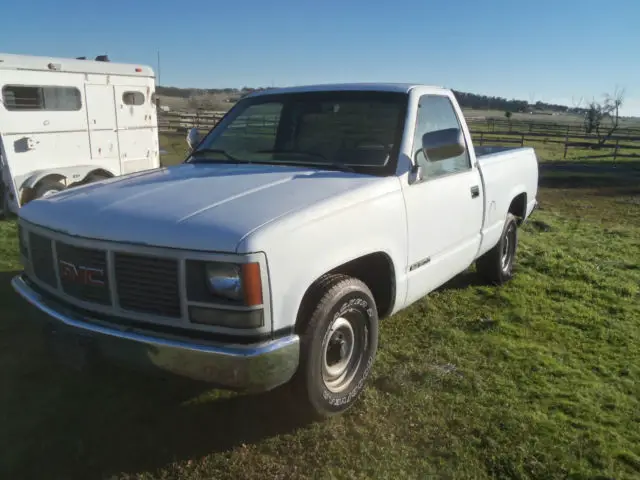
<point x="102" y="58"/>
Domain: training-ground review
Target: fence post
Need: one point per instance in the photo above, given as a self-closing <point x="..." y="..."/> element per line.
<point x="615" y="152"/>
<point x="481" y="138"/>
<point x="566" y="145"/>
<point x="522" y="140"/>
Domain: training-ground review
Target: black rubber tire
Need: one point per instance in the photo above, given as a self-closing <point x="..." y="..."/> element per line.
<point x="490" y="266"/>
<point x="47" y="185"/>
<point x="4" y="204"/>
<point x="96" y="177"/>
<point x="334" y="297"/>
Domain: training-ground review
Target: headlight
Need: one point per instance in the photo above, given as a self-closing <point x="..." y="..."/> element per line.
<point x="236" y="282"/>
<point x="224" y="279"/>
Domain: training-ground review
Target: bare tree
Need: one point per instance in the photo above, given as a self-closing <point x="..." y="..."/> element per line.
<point x="602" y="119"/>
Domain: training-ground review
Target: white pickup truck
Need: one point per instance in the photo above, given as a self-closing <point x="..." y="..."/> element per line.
<point x="268" y="257"/>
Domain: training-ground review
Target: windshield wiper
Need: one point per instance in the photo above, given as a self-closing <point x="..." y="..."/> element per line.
<point x="217" y="150"/>
<point x="332" y="165"/>
<point x="293" y="152"/>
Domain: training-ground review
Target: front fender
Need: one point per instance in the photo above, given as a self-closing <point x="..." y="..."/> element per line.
<point x="302" y="249"/>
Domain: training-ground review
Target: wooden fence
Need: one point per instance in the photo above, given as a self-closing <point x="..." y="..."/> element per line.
<point x="589" y="142"/>
<point x="183" y="121"/>
<point x="567" y="129"/>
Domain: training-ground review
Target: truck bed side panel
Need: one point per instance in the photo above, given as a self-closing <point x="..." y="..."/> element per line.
<point x="507" y="174"/>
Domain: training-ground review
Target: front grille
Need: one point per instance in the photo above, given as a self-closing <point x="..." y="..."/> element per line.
<point x="83" y="273"/>
<point x="42" y="259"/>
<point x="148" y="284"/>
<point x="143" y="283"/>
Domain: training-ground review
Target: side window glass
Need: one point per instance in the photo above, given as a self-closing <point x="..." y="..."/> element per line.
<point x="38" y="98"/>
<point x="133" y="98"/>
<point x="436" y="112"/>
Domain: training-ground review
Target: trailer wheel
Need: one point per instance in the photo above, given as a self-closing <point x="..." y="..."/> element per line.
<point x="47" y="187"/>
<point x="97" y="176"/>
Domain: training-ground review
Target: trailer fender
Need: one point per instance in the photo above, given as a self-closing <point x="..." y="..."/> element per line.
<point x="68" y="176"/>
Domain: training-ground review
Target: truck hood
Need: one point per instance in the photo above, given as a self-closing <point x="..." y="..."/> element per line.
<point x="208" y="207"/>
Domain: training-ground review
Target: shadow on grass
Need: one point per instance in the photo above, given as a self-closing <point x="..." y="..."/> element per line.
<point x="462" y="281"/>
<point x="57" y="423"/>
<point x="589" y="164"/>
<point x="606" y="178"/>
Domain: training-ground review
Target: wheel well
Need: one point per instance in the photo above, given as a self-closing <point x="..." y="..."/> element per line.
<point x="375" y="270"/>
<point x="28" y="194"/>
<point x="518" y="207"/>
<point x="100" y="172"/>
<point x="90" y="177"/>
<point x="56" y="177"/>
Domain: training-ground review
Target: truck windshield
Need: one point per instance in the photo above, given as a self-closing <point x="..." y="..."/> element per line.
<point x="345" y="130"/>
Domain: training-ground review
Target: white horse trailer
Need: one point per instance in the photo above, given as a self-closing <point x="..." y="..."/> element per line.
<point x="66" y="122"/>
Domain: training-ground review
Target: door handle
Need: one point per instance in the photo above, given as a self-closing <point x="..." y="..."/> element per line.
<point x="475" y="191"/>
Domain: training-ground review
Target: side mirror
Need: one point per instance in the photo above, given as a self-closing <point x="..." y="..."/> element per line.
<point x="443" y="144"/>
<point x="193" y="138"/>
<point x="416" y="174"/>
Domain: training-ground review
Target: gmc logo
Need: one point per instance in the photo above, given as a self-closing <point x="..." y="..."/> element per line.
<point x="81" y="275"/>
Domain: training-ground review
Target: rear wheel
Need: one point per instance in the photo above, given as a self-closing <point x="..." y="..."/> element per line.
<point x="496" y="266"/>
<point x="46" y="188"/>
<point x="96" y="177"/>
<point x="338" y="346"/>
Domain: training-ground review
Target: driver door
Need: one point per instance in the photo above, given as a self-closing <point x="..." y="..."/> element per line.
<point x="444" y="210"/>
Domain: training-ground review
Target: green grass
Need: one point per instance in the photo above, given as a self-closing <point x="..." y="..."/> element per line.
<point x="537" y="379"/>
<point x="175" y="145"/>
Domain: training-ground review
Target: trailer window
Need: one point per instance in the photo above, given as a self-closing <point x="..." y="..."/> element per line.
<point x="133" y="98"/>
<point x="31" y="97"/>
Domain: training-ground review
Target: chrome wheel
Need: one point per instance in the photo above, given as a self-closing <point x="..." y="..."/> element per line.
<point x="508" y="248"/>
<point x="48" y="192"/>
<point x="342" y="351"/>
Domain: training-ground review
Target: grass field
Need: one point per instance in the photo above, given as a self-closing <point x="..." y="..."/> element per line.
<point x="538" y="379"/>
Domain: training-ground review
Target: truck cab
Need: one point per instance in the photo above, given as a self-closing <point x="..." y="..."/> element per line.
<point x="66" y="122"/>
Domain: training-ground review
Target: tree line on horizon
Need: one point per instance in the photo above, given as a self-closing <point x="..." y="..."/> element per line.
<point x="465" y="99"/>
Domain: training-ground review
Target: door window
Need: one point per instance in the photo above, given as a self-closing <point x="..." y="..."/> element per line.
<point x="436" y="112"/>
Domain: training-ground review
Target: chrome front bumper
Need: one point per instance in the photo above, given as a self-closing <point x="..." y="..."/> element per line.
<point x="255" y="367"/>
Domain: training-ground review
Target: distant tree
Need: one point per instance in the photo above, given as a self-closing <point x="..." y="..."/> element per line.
<point x="602" y="119"/>
<point x="465" y="99"/>
<point x="508" y="114"/>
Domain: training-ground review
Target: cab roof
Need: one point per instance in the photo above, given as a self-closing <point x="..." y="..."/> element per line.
<point x="371" y="87"/>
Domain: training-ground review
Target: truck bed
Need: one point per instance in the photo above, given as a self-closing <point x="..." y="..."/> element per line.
<point x="490" y="150"/>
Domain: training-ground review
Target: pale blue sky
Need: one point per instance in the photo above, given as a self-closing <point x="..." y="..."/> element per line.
<point x="549" y="50"/>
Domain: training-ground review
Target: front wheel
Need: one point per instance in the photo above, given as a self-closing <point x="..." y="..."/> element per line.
<point x="338" y="346"/>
